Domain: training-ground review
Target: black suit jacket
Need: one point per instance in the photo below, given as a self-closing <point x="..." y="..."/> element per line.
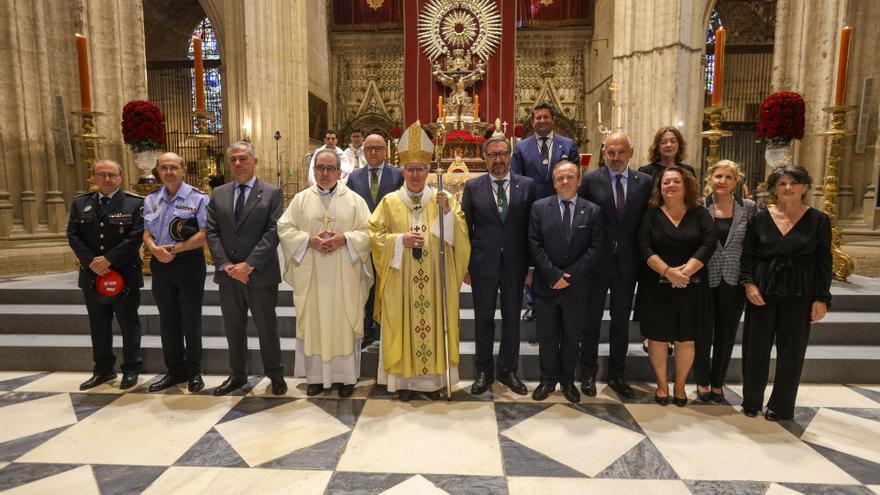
<point x="619" y="244"/>
<point x="253" y="238"/>
<point x="359" y="182"/>
<point x="489" y="235"/>
<point x="115" y="232"/>
<point x="553" y="256"/>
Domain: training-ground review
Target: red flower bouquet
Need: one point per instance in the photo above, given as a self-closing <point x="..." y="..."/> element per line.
<point x="395" y="132"/>
<point x="781" y="118"/>
<point x="142" y="126"/>
<point x="461" y="135"/>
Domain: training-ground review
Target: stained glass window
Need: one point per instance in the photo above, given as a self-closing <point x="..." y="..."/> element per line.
<point x="210" y="51"/>
<point x="714" y="24"/>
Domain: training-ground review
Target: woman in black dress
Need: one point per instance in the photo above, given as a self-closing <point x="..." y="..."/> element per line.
<point x="786" y="270"/>
<point x="731" y="215"/>
<point x="676" y="239"/>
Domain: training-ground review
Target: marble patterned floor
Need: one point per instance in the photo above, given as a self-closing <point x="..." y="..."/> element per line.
<point x="56" y="439"/>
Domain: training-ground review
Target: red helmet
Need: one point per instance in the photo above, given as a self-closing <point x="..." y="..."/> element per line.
<point x="109" y="284"/>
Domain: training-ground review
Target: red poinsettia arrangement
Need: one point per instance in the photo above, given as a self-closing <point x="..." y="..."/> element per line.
<point x="782" y="117"/>
<point x="461" y="135"/>
<point x="142" y="126"/>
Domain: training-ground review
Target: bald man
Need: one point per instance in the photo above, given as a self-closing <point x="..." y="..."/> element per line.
<point x="623" y="194"/>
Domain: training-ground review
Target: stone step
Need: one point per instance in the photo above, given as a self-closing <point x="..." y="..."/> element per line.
<point x="24" y="352"/>
<point x="837" y="328"/>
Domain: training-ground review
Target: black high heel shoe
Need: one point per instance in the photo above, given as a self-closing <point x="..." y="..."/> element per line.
<point x="663" y="401"/>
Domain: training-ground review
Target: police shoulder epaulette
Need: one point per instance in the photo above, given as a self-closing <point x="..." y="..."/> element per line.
<point x="133" y="195"/>
<point x="196" y="189"/>
<point x="87" y="193"/>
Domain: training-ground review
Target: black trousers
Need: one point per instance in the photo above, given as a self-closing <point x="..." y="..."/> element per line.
<point x="788" y="322"/>
<point x="101" y="325"/>
<point x="485" y="292"/>
<point x="718" y="339"/>
<point x="620" y="309"/>
<point x="561" y="320"/>
<point x="178" y="288"/>
<point x="235" y="301"/>
<point x="371" y="327"/>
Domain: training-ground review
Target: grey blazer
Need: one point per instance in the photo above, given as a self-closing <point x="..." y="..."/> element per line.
<point x="253" y="238"/>
<point x="724" y="264"/>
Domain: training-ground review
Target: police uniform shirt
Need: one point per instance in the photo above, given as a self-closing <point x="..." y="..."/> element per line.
<point x="159" y="211"/>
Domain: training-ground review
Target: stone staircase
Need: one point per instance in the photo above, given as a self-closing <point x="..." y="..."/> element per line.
<point x="44" y="326"/>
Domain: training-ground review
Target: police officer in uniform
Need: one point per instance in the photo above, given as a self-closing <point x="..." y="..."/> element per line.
<point x="105" y="231"/>
<point x="178" y="268"/>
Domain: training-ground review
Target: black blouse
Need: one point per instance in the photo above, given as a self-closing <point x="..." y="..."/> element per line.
<point x="654" y="169"/>
<point x="797" y="264"/>
<point x="693" y="238"/>
<point x="722" y="228"/>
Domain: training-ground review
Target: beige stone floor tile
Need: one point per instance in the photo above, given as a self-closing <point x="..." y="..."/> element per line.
<point x="720" y="443"/>
<point x="62" y="381"/>
<point x="296" y="388"/>
<point x="776" y="489"/>
<point x="278" y="431"/>
<point x="79" y="481"/>
<point x="845" y="433"/>
<point x="874" y="488"/>
<point x="237" y="481"/>
<point x="34" y="416"/>
<point x="425" y="437"/>
<point x="162" y="426"/>
<point x="12" y="375"/>
<point x="501" y="393"/>
<point x="417" y="485"/>
<point x="211" y="381"/>
<point x="3" y="464"/>
<point x="822" y="396"/>
<point x="3" y="392"/>
<point x="554" y="486"/>
<point x="561" y="433"/>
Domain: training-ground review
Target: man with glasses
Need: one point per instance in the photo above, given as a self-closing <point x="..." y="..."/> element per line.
<point x="496" y="207"/>
<point x="105" y="231"/>
<point x="372" y="183"/>
<point x="174" y="219"/>
<point x="242" y="236"/>
<point x="405" y="235"/>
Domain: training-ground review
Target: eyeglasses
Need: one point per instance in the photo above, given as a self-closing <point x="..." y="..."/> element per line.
<point x="374" y="149"/>
<point x="106" y="175"/>
<point x="325" y="170"/>
<point x="496" y="155"/>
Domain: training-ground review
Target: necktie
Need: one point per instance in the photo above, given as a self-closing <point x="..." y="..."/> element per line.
<point x="239" y="203"/>
<point x="545" y="154"/>
<point x="502" y="199"/>
<point x="374" y="183"/>
<point x="566" y="219"/>
<point x="104" y="202"/>
<point x="417" y="252"/>
<point x="620" y="201"/>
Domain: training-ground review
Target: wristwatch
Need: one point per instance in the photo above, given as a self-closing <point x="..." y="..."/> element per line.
<point x="171" y="250"/>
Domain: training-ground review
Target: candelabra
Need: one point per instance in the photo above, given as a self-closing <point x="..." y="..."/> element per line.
<point x="90" y="137"/>
<point x="714" y="135"/>
<point x="843" y="264"/>
<point x="206" y="166"/>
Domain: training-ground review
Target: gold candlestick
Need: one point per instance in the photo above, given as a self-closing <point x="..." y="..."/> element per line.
<point x="843" y="264"/>
<point x="206" y="167"/>
<point x="90" y="137"/>
<point x="714" y="135"/>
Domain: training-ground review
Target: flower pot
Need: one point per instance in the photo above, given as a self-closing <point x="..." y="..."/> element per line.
<point x="779" y="153"/>
<point x="146" y="162"/>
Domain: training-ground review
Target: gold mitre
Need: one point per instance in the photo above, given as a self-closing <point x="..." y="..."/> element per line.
<point x="415" y="146"/>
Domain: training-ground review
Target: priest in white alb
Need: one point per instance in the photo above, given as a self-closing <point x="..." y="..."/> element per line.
<point x="405" y="234"/>
<point x="326" y="243"/>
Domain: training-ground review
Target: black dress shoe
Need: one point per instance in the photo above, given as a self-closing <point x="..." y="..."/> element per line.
<point x="367" y="342"/>
<point x="166" y="381"/>
<point x="772" y="416"/>
<point x="528" y="315"/>
<point x="588" y="386"/>
<point x="716" y="397"/>
<point x="345" y="391"/>
<point x="621" y="388"/>
<point x="195" y="383"/>
<point x="749" y="412"/>
<point x="279" y="386"/>
<point x="314" y="389"/>
<point x="543" y="391"/>
<point x="481" y="383"/>
<point x="96" y="380"/>
<point x="680" y="401"/>
<point x="570" y="392"/>
<point x="128" y="380"/>
<point x="663" y="401"/>
<point x="404" y="395"/>
<point x="435" y="395"/>
<point x="234" y="382"/>
<point x="511" y="381"/>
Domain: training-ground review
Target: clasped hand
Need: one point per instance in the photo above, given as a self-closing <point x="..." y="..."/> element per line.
<point x="413" y="240"/>
<point x="677" y="278"/>
<point x="100" y="265"/>
<point x="239" y="271"/>
<point x="326" y="241"/>
<point x="163" y="253"/>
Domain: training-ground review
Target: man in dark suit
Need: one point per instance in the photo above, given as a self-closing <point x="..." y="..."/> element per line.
<point x="372" y="183"/>
<point x="622" y="193"/>
<point x="241" y="234"/>
<point x="565" y="237"/>
<point x="535" y="157"/>
<point x="105" y="231"/>
<point x="496" y="207"/>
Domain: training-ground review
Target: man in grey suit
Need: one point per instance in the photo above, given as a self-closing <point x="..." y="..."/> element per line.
<point x="241" y="233"/>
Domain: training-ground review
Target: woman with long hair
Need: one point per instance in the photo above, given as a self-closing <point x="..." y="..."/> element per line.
<point x="786" y="271"/>
<point x="676" y="239"/>
<point x="668" y="149"/>
<point x="731" y="215"/>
